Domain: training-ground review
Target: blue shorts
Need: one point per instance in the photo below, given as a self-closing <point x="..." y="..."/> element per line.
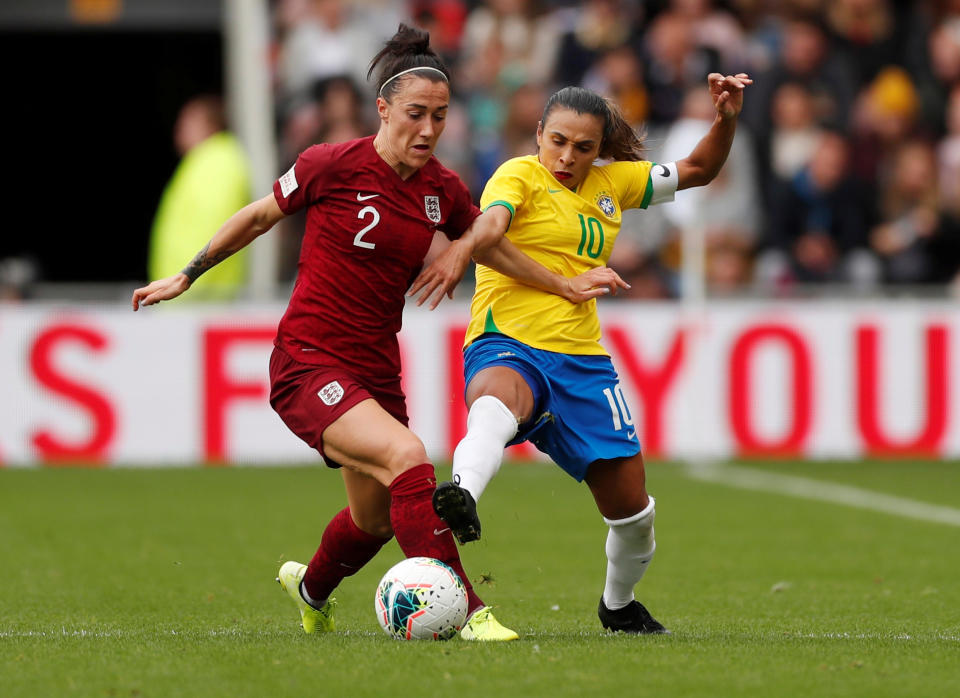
<point x="579" y="414"/>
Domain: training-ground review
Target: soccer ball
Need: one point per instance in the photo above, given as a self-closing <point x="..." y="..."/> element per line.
<point x="421" y="599"/>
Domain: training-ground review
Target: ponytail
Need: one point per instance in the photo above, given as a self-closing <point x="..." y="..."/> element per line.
<point x="620" y="141"/>
<point x="407" y="51"/>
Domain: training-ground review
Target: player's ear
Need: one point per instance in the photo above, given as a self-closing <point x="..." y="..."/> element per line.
<point x="539" y="133"/>
<point x="383" y="108"/>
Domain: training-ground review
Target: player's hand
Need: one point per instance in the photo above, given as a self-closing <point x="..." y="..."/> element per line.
<point x="160" y="290"/>
<point x="727" y="92"/>
<point x="593" y="283"/>
<point x="442" y="275"/>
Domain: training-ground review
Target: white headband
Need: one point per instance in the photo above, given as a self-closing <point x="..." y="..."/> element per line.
<point x="410" y="70"/>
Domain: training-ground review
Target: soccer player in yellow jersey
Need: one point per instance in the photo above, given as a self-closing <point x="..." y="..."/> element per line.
<point x="534" y="366"/>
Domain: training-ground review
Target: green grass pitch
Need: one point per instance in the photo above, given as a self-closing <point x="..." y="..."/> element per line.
<point x="161" y="583"/>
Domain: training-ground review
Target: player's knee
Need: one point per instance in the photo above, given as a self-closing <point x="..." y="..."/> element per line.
<point x="377" y="526"/>
<point x="493" y="418"/>
<point x="405" y="454"/>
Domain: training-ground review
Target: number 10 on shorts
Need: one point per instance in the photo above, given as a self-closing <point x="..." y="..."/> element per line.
<point x="618" y="407"/>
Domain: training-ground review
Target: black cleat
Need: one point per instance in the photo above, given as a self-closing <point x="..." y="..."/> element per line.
<point x="456" y="507"/>
<point x="632" y="618"/>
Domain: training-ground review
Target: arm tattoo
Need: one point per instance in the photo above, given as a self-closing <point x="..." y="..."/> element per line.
<point x="202" y="262"/>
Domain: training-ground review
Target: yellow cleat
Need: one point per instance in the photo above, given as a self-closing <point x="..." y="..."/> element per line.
<point x="483" y="627"/>
<point x="290" y="575"/>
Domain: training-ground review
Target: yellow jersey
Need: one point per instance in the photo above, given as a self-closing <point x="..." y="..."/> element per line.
<point x="568" y="232"/>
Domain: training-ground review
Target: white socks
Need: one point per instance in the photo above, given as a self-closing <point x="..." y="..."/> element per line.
<point x="310" y="601"/>
<point x="630" y="547"/>
<point x="477" y="458"/>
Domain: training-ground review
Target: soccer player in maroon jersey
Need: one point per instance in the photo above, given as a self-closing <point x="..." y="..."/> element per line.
<point x="373" y="205"/>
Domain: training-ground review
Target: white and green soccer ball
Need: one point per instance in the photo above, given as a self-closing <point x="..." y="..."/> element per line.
<point x="421" y="599"/>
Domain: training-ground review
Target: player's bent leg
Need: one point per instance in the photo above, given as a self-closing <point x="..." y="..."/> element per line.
<point x="369" y="503"/>
<point x="619" y="486"/>
<point x="630" y="547"/>
<point x="498" y="398"/>
<point x="369" y="440"/>
<point x="477" y="458"/>
<point x="350" y="540"/>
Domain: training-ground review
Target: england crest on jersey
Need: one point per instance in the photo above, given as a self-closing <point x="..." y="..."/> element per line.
<point x="331" y="393"/>
<point x="432" y="206"/>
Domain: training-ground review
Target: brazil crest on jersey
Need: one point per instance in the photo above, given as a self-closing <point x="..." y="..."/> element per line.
<point x="568" y="232"/>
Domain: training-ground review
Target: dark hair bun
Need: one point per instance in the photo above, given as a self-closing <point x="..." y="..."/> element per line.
<point x="409" y="48"/>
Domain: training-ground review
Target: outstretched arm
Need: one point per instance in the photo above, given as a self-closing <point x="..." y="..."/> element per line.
<point x="484" y="242"/>
<point x="239" y="231"/>
<point x="440" y="277"/>
<point x="704" y="163"/>
<point x="507" y="259"/>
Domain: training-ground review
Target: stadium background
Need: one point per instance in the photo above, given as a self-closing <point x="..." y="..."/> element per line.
<point x="800" y="419"/>
<point x="735" y="340"/>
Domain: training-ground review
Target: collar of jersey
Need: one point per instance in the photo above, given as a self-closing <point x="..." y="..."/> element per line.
<point x="550" y="176"/>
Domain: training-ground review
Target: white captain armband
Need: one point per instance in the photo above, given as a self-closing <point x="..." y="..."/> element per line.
<point x="288" y="182"/>
<point x="664" y="180"/>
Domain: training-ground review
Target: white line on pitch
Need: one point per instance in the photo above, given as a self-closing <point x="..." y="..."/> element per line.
<point x="820" y="490"/>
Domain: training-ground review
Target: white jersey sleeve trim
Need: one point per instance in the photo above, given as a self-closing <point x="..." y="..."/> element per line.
<point x="664" y="180"/>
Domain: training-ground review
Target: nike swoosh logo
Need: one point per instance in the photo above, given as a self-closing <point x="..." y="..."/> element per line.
<point x="440" y="532"/>
<point x="361" y="197"/>
<point x="631" y="434"/>
<point x="554" y="191"/>
<point x="664" y="171"/>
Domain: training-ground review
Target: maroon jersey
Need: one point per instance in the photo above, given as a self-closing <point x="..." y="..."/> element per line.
<point x="367" y="232"/>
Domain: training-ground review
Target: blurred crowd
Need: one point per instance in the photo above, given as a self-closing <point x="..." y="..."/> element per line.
<point x="846" y="166"/>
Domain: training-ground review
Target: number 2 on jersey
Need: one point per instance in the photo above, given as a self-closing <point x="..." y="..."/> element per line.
<point x="358" y="240"/>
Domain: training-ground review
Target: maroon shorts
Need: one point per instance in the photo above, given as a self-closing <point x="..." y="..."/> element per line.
<point x="310" y="398"/>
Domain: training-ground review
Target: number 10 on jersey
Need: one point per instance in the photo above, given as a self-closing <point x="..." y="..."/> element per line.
<point x="618" y="407"/>
<point x="591" y="232"/>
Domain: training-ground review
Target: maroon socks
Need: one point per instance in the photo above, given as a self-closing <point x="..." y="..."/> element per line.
<point x="343" y="550"/>
<point x="419" y="531"/>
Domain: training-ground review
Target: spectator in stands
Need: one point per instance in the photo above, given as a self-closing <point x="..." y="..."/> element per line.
<point x="444" y="20"/>
<point x="590" y="30"/>
<point x="932" y="58"/>
<point x="515" y="41"/>
<point x="761" y="22"/>
<point x="329" y="38"/>
<point x="618" y="74"/>
<point x="715" y="30"/>
<point x="910" y="221"/>
<point x="866" y="34"/>
<point x="506" y="44"/>
<point x="334" y="114"/>
<point x="817" y="229"/>
<point x="523" y="115"/>
<point x="805" y="59"/>
<point x="17" y="275"/>
<point x="948" y="158"/>
<point x="673" y="64"/>
<point x="210" y="183"/>
<point x="886" y="114"/>
<point x="794" y="130"/>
